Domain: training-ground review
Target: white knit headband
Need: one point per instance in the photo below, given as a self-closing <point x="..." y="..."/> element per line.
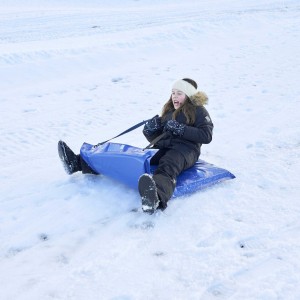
<point x="185" y="87"/>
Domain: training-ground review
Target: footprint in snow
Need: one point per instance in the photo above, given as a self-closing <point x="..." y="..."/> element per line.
<point x="145" y="225"/>
<point x="13" y="251"/>
<point x="251" y="243"/>
<point x="43" y="237"/>
<point x="117" y="79"/>
<point x="219" y="291"/>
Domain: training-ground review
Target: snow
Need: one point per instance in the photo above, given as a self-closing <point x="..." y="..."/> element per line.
<point x="83" y="71"/>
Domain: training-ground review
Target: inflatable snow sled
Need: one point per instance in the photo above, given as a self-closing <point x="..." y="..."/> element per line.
<point x="126" y="164"/>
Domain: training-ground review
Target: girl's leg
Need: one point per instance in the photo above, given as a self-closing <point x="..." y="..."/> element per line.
<point x="157" y="156"/>
<point x="170" y="165"/>
<point x="85" y="168"/>
<point x="72" y="162"/>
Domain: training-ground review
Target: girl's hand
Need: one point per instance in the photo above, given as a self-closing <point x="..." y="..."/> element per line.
<point x="153" y="125"/>
<point x="175" y="128"/>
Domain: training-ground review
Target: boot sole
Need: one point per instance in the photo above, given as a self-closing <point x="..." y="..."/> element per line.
<point x="63" y="157"/>
<point x="148" y="192"/>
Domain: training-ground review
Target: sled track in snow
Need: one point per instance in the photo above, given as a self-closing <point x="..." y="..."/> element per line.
<point x="54" y="25"/>
<point x="103" y="29"/>
<point x="33" y="27"/>
<point x="40" y="26"/>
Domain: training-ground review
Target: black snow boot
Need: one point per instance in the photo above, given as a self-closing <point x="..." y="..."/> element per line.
<point x="148" y="192"/>
<point x="70" y="161"/>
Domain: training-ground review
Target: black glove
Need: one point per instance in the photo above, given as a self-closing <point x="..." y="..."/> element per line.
<point x="175" y="128"/>
<point x="152" y="125"/>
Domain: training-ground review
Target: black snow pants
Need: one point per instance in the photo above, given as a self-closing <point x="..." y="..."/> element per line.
<point x="170" y="164"/>
<point x="84" y="167"/>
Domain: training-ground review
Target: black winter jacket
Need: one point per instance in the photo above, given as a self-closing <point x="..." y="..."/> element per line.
<point x="194" y="136"/>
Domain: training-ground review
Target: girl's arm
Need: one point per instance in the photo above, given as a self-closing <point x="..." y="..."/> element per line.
<point x="202" y="131"/>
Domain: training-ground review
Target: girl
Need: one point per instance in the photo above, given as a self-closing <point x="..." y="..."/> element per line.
<point x="178" y="134"/>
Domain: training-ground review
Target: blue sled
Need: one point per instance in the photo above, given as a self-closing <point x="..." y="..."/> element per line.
<point x="126" y="164"/>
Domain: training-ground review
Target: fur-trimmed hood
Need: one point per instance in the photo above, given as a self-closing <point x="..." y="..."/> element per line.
<point x="200" y="98"/>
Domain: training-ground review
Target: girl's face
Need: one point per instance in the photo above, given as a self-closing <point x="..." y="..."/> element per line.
<point x="178" y="98"/>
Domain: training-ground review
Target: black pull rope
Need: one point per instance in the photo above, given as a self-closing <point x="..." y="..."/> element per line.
<point x="126" y="131"/>
<point x="155" y="141"/>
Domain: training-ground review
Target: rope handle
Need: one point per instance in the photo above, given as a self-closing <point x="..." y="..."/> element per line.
<point x="155" y="140"/>
<point x="124" y="132"/>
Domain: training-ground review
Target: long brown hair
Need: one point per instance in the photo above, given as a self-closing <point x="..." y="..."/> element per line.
<point x="188" y="108"/>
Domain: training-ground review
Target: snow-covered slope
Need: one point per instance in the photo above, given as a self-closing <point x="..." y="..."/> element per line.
<point x="85" y="72"/>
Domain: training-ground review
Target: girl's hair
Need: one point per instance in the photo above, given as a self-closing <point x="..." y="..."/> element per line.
<point x="188" y="108"/>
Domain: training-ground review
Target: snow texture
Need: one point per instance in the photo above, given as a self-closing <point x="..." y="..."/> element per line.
<point x="83" y="71"/>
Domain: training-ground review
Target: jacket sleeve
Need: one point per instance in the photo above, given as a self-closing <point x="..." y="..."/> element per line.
<point x="202" y="130"/>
